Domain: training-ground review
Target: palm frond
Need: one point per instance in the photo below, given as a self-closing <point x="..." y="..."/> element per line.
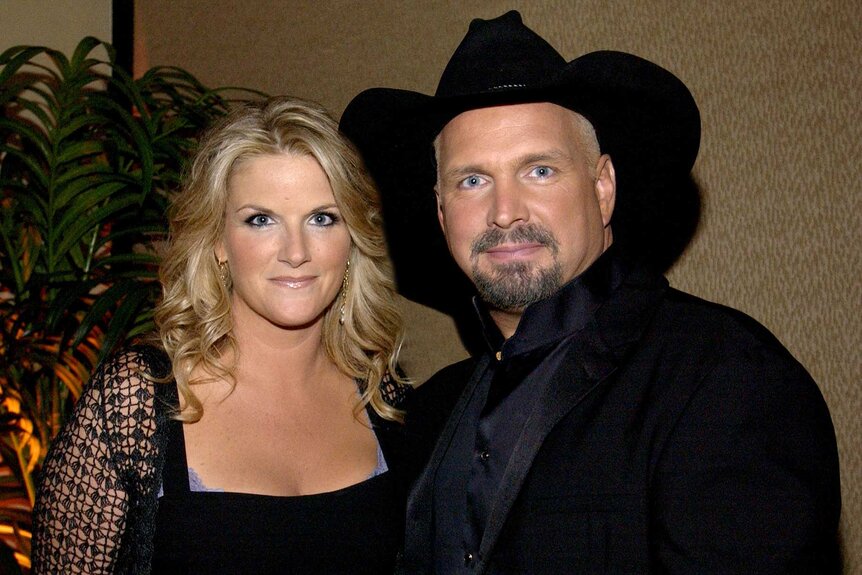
<point x="88" y="159"/>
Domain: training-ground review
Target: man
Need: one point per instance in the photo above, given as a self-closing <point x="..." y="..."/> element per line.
<point x="612" y="424"/>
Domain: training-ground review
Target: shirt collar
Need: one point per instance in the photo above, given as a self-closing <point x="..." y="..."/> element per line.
<point x="567" y="311"/>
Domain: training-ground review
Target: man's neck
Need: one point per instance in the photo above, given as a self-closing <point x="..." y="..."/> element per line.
<point x="506" y="321"/>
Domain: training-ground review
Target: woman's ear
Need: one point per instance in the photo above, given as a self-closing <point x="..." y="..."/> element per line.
<point x="220" y="251"/>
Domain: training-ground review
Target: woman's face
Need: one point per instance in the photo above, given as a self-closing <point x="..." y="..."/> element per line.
<point x="284" y="241"/>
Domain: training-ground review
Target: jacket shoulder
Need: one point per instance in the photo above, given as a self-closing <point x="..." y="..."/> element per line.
<point x="718" y="362"/>
<point x="442" y="389"/>
<point x="428" y="409"/>
<point x="707" y="327"/>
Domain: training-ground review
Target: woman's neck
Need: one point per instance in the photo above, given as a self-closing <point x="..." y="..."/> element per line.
<point x="271" y="355"/>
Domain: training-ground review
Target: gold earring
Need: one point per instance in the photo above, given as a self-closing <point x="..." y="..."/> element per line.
<point x="344" y="284"/>
<point x="224" y="274"/>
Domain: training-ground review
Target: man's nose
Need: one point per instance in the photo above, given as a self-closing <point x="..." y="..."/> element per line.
<point x="508" y="205"/>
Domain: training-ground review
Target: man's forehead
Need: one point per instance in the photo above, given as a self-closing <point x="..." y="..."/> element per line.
<point x="480" y="127"/>
<point x="540" y="114"/>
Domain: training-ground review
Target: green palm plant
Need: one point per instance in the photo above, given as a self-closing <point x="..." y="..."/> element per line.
<point x="88" y="158"/>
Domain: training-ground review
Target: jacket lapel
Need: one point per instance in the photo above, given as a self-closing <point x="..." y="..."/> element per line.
<point x="593" y="357"/>
<point x="420" y="503"/>
<point x="562" y="393"/>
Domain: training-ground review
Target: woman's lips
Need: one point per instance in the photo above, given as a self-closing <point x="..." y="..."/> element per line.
<point x="294" y="282"/>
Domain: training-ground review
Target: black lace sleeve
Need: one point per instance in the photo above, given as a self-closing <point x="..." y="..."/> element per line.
<point x="394" y="393"/>
<point x="96" y="472"/>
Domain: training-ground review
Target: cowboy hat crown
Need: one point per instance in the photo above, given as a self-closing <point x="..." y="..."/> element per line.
<point x="645" y="119"/>
<point x="479" y="65"/>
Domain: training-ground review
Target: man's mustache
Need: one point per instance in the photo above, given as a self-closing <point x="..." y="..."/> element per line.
<point x="527" y="233"/>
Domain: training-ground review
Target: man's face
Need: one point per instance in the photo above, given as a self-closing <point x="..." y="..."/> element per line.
<point x="523" y="199"/>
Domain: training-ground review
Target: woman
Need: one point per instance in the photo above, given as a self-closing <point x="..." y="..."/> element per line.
<point x="256" y="437"/>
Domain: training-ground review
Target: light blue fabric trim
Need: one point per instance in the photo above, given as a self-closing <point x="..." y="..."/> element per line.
<point x="196" y="484"/>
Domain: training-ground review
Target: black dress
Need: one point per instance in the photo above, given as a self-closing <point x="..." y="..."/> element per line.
<point x="356" y="530"/>
<point x="97" y="505"/>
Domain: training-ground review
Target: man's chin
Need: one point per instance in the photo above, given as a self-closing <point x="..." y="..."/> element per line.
<point x="501" y="271"/>
<point x="516" y="286"/>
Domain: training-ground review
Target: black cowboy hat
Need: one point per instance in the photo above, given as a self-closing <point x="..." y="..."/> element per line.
<point x="644" y="117"/>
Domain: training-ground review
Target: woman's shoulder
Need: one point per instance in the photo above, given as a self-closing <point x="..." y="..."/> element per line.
<point x="131" y="373"/>
<point x="116" y="417"/>
<point x="140" y="358"/>
<point x="136" y="394"/>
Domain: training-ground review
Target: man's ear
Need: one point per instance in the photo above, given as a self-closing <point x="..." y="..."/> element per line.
<point x="606" y="188"/>
<point x="440" y="209"/>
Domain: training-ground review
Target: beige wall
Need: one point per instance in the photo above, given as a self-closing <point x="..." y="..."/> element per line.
<point x="778" y="83"/>
<point x="58" y="24"/>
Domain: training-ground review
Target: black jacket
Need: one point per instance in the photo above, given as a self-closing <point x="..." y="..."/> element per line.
<point x="680" y="437"/>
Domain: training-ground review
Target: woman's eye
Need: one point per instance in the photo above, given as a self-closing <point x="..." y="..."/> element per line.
<point x="471" y="182"/>
<point x="542" y="172"/>
<point x="324" y="219"/>
<point x="259" y="220"/>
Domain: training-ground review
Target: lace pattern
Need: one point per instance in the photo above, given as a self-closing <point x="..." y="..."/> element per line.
<point x="95" y="506"/>
<point x="96" y="503"/>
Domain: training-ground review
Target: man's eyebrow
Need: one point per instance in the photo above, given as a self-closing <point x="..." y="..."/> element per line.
<point x="462" y="171"/>
<point x="551" y="155"/>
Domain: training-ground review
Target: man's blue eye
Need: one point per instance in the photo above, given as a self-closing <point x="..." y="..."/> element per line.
<point x="542" y="171"/>
<point x="472" y="182"/>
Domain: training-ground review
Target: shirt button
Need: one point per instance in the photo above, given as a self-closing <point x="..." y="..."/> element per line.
<point x="484" y="455"/>
<point x="468" y="559"/>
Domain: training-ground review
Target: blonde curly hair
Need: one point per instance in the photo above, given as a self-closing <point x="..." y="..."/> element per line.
<point x="194" y="319"/>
